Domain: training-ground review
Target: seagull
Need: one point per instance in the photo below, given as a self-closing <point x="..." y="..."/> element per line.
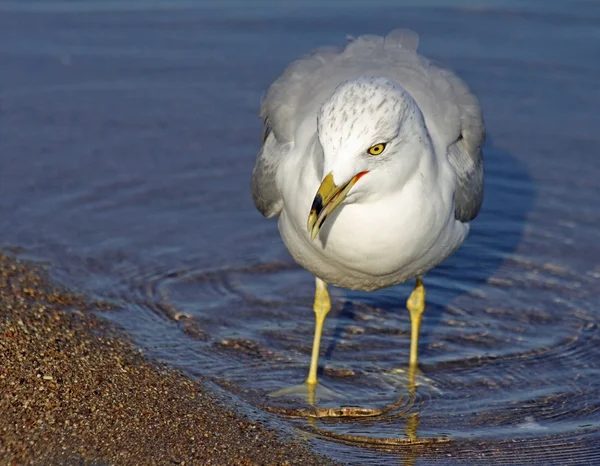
<point x="372" y="159"/>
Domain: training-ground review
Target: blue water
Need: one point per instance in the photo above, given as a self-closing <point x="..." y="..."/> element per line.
<point x="128" y="131"/>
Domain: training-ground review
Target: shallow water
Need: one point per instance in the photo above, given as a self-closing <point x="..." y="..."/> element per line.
<point x="127" y="136"/>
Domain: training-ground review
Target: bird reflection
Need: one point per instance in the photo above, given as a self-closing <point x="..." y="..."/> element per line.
<point x="406" y="407"/>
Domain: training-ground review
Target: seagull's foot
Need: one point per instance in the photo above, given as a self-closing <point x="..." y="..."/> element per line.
<point x="409" y="378"/>
<point x="311" y="393"/>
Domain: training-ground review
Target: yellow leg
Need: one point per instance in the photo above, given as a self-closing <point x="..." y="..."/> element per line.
<point x="416" y="306"/>
<point x="321" y="307"/>
<point x="310" y="389"/>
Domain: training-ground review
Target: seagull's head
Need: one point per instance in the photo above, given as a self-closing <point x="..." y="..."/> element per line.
<point x="373" y="134"/>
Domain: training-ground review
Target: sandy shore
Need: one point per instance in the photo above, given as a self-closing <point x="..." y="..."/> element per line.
<point x="75" y="391"/>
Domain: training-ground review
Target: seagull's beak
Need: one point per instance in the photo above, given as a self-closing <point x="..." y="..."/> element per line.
<point x="328" y="198"/>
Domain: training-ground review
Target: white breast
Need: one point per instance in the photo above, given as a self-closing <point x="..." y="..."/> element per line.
<point x="371" y="245"/>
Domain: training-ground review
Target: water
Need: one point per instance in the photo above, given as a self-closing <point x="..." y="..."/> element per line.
<point x="127" y="135"/>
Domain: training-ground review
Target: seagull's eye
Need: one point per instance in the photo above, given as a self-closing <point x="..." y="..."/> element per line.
<point x="377" y="149"/>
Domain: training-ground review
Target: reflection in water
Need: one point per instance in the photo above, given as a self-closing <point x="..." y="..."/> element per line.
<point x="406" y="408"/>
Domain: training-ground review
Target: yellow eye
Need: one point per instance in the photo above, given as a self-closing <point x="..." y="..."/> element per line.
<point x="377" y="149"/>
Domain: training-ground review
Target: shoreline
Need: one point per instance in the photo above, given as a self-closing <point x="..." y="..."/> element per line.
<point x="76" y="391"/>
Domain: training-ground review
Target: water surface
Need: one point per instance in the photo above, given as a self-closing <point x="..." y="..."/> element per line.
<point x="128" y="131"/>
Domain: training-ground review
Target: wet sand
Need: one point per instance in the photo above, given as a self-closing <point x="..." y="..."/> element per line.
<point x="74" y="390"/>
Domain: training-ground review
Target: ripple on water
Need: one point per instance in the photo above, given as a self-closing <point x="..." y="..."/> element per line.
<point x="495" y="365"/>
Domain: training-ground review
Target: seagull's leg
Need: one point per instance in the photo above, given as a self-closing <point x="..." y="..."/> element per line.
<point x="408" y="377"/>
<point x="416" y="306"/>
<point x="310" y="389"/>
<point x="402" y="407"/>
<point x="322" y="306"/>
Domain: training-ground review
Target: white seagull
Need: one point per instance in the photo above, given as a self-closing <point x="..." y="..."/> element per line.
<point x="372" y="159"/>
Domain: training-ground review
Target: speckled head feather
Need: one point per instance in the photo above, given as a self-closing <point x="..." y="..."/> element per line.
<point x="362" y="112"/>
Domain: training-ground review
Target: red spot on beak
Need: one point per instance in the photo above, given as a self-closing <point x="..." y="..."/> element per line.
<point x="359" y="176"/>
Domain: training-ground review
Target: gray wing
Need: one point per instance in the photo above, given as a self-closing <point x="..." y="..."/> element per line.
<point x="467" y="160"/>
<point x="287" y="102"/>
<point x="265" y="193"/>
<point x="466" y="154"/>
<point x="449" y="106"/>
<point x="445" y="101"/>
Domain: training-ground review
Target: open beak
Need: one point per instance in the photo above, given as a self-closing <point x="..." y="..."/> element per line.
<point x="328" y="198"/>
